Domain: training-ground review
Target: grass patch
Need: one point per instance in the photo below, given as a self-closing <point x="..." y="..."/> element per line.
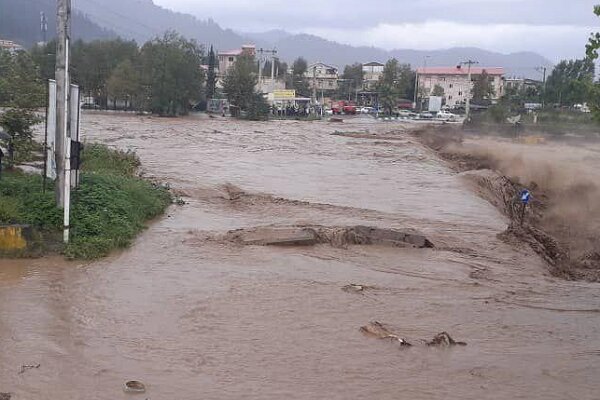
<point x="109" y="209"/>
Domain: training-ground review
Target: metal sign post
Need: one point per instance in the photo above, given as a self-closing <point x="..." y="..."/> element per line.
<point x="525" y="199"/>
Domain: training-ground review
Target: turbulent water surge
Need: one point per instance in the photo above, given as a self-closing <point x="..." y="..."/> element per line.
<point x="195" y="317"/>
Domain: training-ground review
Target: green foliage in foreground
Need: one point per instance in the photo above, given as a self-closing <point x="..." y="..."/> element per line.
<point x="109" y="209"/>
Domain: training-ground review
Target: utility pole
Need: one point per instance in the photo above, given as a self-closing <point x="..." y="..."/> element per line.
<point x="314" y="85"/>
<point x="417" y="83"/>
<point x="260" y="65"/>
<point x="543" y="69"/>
<point x="262" y="59"/>
<point x="273" y="67"/>
<point x="63" y="87"/>
<point x="416" y="88"/>
<point x="469" y="63"/>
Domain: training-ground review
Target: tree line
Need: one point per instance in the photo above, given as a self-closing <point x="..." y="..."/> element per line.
<point x="163" y="76"/>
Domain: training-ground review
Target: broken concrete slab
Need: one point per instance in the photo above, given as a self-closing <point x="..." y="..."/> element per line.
<point x="271" y="236"/>
<point x="335" y="236"/>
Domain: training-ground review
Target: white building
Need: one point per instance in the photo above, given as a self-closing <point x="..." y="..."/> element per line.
<point x="228" y="58"/>
<point x="371" y="73"/>
<point x="324" y="77"/>
<point x="455" y="82"/>
<point x="10" y="46"/>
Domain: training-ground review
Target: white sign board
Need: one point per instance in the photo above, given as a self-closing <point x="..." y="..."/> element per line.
<point x="435" y="103"/>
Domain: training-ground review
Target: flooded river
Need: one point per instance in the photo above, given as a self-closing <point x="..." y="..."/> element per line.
<point x="201" y="319"/>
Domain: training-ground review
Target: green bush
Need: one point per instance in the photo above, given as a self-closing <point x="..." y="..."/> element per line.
<point x="101" y="159"/>
<point x="108" y="209"/>
<point x="258" y="108"/>
<point x="9" y="210"/>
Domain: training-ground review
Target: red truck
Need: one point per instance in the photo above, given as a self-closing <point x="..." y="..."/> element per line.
<point x="344" y="107"/>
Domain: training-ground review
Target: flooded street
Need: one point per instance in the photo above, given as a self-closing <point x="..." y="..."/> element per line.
<point x="197" y="318"/>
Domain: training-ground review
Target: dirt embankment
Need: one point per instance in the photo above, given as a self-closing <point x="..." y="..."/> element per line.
<point x="562" y="222"/>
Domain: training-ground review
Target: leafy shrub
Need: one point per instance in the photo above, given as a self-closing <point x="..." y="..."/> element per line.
<point x="108" y="210"/>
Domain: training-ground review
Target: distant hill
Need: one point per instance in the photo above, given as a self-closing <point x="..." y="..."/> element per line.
<point x="268" y="37"/>
<point x="20" y="22"/>
<point x="315" y="48"/>
<point x="142" y="20"/>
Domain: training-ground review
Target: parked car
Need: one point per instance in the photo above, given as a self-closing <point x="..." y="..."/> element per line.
<point x="446" y="116"/>
<point x="426" y="115"/>
<point x="366" y="110"/>
<point x="90" y="106"/>
<point x="405" y="114"/>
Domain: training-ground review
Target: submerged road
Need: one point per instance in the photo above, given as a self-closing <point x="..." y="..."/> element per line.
<point x="197" y="318"/>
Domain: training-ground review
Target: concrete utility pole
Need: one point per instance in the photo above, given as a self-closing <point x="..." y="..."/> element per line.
<point x="273" y="66"/>
<point x="63" y="28"/>
<point x="417" y="86"/>
<point x="314" y="91"/>
<point x="468" y="103"/>
<point x="543" y="69"/>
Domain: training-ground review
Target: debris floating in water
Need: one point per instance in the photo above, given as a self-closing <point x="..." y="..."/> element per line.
<point x="354" y="288"/>
<point x="380" y="331"/>
<point x="27" y="367"/>
<point x="444" y="340"/>
<point x="134" y="387"/>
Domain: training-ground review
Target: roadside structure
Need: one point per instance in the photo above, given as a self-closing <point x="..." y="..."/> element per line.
<point x="455" y="82"/>
<point x="521" y="84"/>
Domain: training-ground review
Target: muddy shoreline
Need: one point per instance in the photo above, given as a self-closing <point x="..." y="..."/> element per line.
<point x="492" y="180"/>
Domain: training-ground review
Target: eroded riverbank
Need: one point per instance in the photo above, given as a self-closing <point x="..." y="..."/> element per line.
<point x="193" y="317"/>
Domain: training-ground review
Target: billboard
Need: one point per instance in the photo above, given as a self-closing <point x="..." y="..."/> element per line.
<point x="284" y="94"/>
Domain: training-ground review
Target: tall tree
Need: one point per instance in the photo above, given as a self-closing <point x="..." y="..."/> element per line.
<point x="21" y="92"/>
<point x="570" y="82"/>
<point x="483" y="89"/>
<point x="240" y="82"/>
<point x="298" y="79"/>
<point x="594" y="42"/>
<point x="172" y="74"/>
<point x="437" y="91"/>
<point x="592" y="52"/>
<point x="211" y="77"/>
<point x="125" y="84"/>
<point x="93" y="63"/>
<point x="396" y="82"/>
<point x="352" y="78"/>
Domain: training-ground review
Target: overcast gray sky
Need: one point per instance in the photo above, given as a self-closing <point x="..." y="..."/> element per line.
<point x="555" y="28"/>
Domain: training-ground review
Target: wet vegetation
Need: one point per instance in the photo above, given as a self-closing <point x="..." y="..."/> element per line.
<point x="109" y="208"/>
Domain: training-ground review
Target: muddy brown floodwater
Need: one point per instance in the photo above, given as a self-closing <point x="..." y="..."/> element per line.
<point x="196" y="318"/>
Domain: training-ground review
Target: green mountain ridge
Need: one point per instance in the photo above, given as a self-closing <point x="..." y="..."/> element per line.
<point x="20" y="22"/>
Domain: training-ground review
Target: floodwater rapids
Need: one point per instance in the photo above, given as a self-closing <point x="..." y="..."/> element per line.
<point x="194" y="318"/>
